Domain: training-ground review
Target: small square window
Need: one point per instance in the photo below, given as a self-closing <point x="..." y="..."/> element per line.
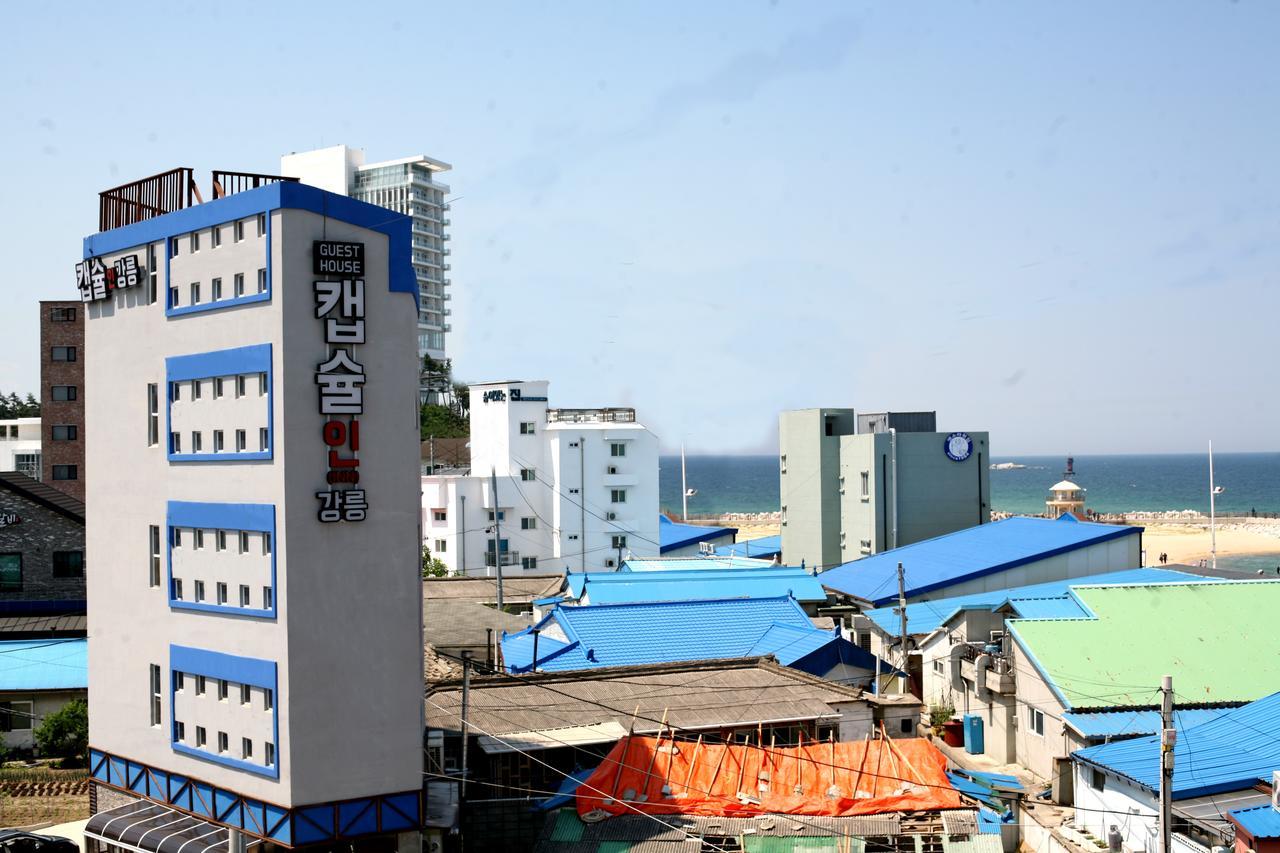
<point x="246" y="748"/>
<point x="62" y="353"/>
<point x="527" y="523"/>
<point x="179" y="681"/>
<point x="238" y="284"/>
<point x="66" y="432"/>
<point x="64" y="393"/>
<point x="217" y="441"/>
<point x="68" y="564"/>
<point x="618" y="496"/>
<point x="195" y="293"/>
<point x="268" y="699"/>
<point x="617" y="449"/>
<point x="202" y="737"/>
<point x="262" y="279"/>
<point x="241" y="440"/>
<point x="527" y="427"/>
<point x="195" y="241"/>
<point x="442" y="546"/>
<point x="528" y="562"/>
<point x="617" y="542"/>
<point x="198" y="537"/>
<point x="222" y="597"/>
<point x="238" y="231"/>
<point x="177" y="589"/>
<point x="217" y="387"/>
<point x="197" y="443"/>
<point x="263" y="439"/>
<point x="196" y="389"/>
<point x="528" y="475"/>
<point x="66" y="472"/>
<point x="439" y="515"/>
<point x="240" y="385"/>
<point x="179" y="731"/>
<point x="216" y="289"/>
<point x="262" y="384"/>
<point x="200" y="685"/>
<point x="244" y="541"/>
<point x="246" y="694"/>
<point x="269" y="754"/>
<point x="175" y="442"/>
<point x="173" y="297"/>
<point x="220" y="540"/>
<point x="262" y="224"/>
<point x="215" y="235"/>
<point x="222" y="742"/>
<point x="244" y="595"/>
<point x="199" y="590"/>
<point x="266" y="543"/>
<point x="267" y="597"/>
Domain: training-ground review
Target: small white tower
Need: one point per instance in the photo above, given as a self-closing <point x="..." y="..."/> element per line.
<point x="1065" y="496"/>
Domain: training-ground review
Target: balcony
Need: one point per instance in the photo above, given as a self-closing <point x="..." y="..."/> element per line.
<point x="999" y="677"/>
<point x="591" y="416"/>
<point x="509" y="558"/>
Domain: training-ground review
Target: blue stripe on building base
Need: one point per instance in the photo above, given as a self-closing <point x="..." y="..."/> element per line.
<point x="336" y="821"/>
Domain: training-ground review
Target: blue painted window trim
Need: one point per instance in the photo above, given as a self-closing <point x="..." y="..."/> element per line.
<point x="401" y="277"/>
<point x="207" y="365"/>
<point x="265" y="296"/>
<point x="255" y="672"/>
<point x="259" y="518"/>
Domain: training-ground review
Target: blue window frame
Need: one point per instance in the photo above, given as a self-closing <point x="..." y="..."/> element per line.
<point x="217" y="304"/>
<point x="255" y="672"/>
<point x="254" y="359"/>
<point x="258" y="518"/>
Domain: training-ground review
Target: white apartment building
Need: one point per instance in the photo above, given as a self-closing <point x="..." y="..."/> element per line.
<point x="407" y="186"/>
<point x="577" y="489"/>
<point x="255" y="596"/>
<point x="20" y="446"/>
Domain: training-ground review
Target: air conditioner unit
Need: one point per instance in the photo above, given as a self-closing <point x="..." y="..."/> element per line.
<point x="611" y="516"/>
<point x="613" y="469"/>
<point x="609" y="563"/>
<point x="706" y="548"/>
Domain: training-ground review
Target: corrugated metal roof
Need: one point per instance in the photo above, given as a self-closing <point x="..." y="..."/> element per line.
<point x="936" y="564"/>
<point x="1227" y="753"/>
<point x="673" y="534"/>
<point x="606" y="732"/>
<point x="670" y="564"/>
<point x="693" y="585"/>
<point x="521" y="589"/>
<point x="1032" y="601"/>
<point x="457" y="622"/>
<point x="1260" y="822"/>
<point x="766" y="547"/>
<point x="1136" y="631"/>
<point x="44" y="664"/>
<point x="1104" y="724"/>
<point x="37" y="624"/>
<point x="987" y="843"/>
<point x="43" y="494"/>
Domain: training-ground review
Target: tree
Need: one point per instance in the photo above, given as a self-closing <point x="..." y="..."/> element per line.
<point x="15" y="405"/>
<point x="65" y="733"/>
<point x="432" y="567"/>
<point x="30" y="406"/>
<point x="443" y="422"/>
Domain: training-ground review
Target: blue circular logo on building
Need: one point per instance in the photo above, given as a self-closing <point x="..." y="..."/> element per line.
<point x="959" y="446"/>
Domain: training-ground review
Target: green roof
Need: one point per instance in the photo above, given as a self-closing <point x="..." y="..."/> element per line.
<point x="1209" y="636"/>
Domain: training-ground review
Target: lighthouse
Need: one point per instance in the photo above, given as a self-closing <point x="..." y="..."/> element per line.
<point x="1065" y="496"/>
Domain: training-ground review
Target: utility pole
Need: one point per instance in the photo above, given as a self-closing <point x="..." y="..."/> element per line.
<point x="1168" y="737"/>
<point x="1213" y="527"/>
<point x="902" y="615"/>
<point x="432" y="442"/>
<point x="466" y="704"/>
<point x="497" y="531"/>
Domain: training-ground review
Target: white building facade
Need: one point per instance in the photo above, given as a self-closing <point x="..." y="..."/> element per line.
<point x="20" y="446"/>
<point x="255" y="597"/>
<point x="576" y="488"/>
<point x="407" y="186"/>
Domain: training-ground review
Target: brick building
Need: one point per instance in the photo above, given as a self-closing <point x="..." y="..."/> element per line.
<point x="62" y="396"/>
<point x="41" y="548"/>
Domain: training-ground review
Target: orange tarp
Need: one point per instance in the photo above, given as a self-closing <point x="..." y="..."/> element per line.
<point x="822" y="778"/>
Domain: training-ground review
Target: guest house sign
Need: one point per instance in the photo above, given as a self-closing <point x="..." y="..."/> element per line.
<point x="340" y="377"/>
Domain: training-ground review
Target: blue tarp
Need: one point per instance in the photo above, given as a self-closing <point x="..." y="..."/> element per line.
<point x="565" y="791"/>
<point x="673" y="535"/>
<point x="766" y="548"/>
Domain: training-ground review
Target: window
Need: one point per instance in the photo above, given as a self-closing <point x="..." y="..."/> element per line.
<point x="528" y="475"/>
<point x="246" y="748"/>
<point x="263" y="438"/>
<point x="618" y="496"/>
<point x="200" y="685"/>
<point x="618" y="542"/>
<point x="1097" y="780"/>
<point x="217" y="387"/>
<point x="573" y="537"/>
<point x="782" y="464"/>
<point x="62" y="315"/>
<point x="617" y="449"/>
<point x="173" y="248"/>
<point x="217" y="441"/>
<point x="196" y="441"/>
<point x="526" y="427"/>
<point x="151" y="273"/>
<point x="439" y="515"/>
<point x="175" y="442"/>
<point x="244" y="541"/>
<point x="240" y="385"/>
<point x="216" y="288"/>
<point x="196" y="390"/>
<point x="154" y="568"/>
<point x="223" y="690"/>
<point x="502" y="515"/>
<point x="68" y="564"/>
<point x="237" y="233"/>
<point x="155" y="695"/>
<point x="938" y="667"/>
<point x="441" y="546"/>
<point x="573" y="491"/>
<point x="266" y="543"/>
<point x="199" y="590"/>
<point x="65" y="432"/>
<point x="198" y="536"/>
<point x="153" y="414"/>
<point x="195" y="241"/>
<point x="528" y="523"/>
<point x="16" y="716"/>
<point x="241" y="440"/>
<point x="864" y="545"/>
<point x="529" y="562"/>
<point x="64" y="393"/>
<point x="177" y="537"/>
<point x="177" y="589"/>
<point x="222" y="598"/>
<point x="246" y="694"/>
<point x="173" y="297"/>
<point x="175" y="392"/>
<point x="262" y="384"/>
<point x="865" y="478"/>
<point x="220" y="540"/>
<point x="1035" y="720"/>
<point x="195" y="293"/>
<point x="62" y="353"/>
<point x="215" y="234"/>
<point x="266" y="597"/>
<point x="262" y="279"/>
<point x="179" y="730"/>
<point x="268" y="700"/>
<point x="238" y="284"/>
<point x="244" y="595"/>
<point x="179" y="682"/>
<point x="201" y="736"/>
<point x="262" y="224"/>
<point x="66" y="472"/>
<point x="905" y="726"/>
<point x="269" y="753"/>
<point x="864" y="640"/>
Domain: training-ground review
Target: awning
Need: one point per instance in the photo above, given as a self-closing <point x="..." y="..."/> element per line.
<point x="1209" y="812"/>
<point x="146" y="827"/>
<point x="606" y="732"/>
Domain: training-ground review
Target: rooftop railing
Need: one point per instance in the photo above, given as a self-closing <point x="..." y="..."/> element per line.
<point x="169" y="191"/>
<point x="591" y="416"/>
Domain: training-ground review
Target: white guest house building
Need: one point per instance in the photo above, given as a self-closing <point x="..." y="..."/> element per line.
<point x="576" y="488"/>
<point x="257" y="662"/>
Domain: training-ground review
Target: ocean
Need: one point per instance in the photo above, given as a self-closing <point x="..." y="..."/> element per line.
<point x="1114" y="484"/>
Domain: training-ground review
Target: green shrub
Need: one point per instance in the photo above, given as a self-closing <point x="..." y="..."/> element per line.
<point x="65" y="733"/>
<point x="940" y="713"/>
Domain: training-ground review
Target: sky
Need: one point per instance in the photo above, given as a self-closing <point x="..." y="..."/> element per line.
<point x="1055" y="222"/>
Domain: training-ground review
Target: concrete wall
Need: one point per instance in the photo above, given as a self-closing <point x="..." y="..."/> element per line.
<point x="1131" y="809"/>
<point x="809" y="474"/>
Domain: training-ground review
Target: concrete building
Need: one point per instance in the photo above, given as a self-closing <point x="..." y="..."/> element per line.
<point x="42" y="563"/>
<point x="409" y="186"/>
<point x="256" y="599"/>
<point x="20" y="446"/>
<point x="577" y="488"/>
<point x="62" y="360"/>
<point x="857" y="485"/>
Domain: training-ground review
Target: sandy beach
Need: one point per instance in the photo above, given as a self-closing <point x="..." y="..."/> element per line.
<point x="1184" y="538"/>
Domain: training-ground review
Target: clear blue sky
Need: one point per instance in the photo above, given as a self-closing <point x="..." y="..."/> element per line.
<point x="1057" y="222"/>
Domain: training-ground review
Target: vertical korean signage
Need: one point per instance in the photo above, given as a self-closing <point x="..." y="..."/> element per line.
<point x="340" y="378"/>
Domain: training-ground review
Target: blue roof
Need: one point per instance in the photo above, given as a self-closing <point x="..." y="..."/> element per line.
<point x="629" y="634"/>
<point x="668" y="564"/>
<point x="673" y="534"/>
<point x="766" y="547"/>
<point x="1037" y="601"/>
<point x="936" y="564"/>
<point x="1260" y="821"/>
<point x="44" y="664"/>
<point x="1230" y="752"/>
<point x="1105" y="724"/>
<point x="692" y="585"/>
